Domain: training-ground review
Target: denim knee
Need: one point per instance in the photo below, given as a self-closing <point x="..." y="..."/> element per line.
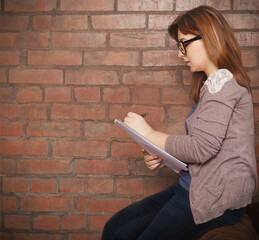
<point x="107" y="232"/>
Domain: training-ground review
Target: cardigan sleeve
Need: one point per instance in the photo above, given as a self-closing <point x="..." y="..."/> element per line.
<point x="209" y="128"/>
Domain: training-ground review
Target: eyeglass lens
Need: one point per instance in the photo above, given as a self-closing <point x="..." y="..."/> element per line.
<point x="181" y="48"/>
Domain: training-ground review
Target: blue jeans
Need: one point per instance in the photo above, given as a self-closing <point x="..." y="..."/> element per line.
<point x="164" y="215"/>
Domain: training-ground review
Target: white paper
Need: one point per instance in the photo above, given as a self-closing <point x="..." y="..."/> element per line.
<point x="152" y="149"/>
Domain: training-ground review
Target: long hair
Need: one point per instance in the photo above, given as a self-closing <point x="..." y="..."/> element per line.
<point x="220" y="43"/>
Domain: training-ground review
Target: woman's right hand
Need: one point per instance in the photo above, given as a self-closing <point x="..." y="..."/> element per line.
<point x="152" y="161"/>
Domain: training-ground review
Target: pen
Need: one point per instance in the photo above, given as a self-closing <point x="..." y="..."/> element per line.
<point x="144" y="114"/>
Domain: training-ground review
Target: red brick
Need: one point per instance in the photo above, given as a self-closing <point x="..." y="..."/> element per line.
<point x="119" y="21"/>
<point x="109" y="205"/>
<point x="13" y="184"/>
<point x="111" y="58"/>
<point x="14" y="23"/>
<point x="77" y="112"/>
<point x="130" y="186"/>
<point x="137" y="39"/>
<point x="24" y="40"/>
<point x="24" y="147"/>
<point x="246" y="5"/>
<point x="255" y="96"/>
<point x="60" y="23"/>
<point x="125" y="150"/>
<point x="48" y="223"/>
<point x="220" y="4"/>
<point x="46" y="204"/>
<point x="256" y="113"/>
<point x="143" y="5"/>
<point x="175" y="96"/>
<point x="242" y="21"/>
<point x="17" y="222"/>
<point x="54" y="129"/>
<point x="7" y="166"/>
<point x="116" y="95"/>
<point x="102" y="167"/>
<point x="6" y="94"/>
<point x="29" y="5"/>
<point x="249" y="58"/>
<point x="57" y="94"/>
<point x="254" y="77"/>
<point x="91" y="94"/>
<point x="79" y="39"/>
<point x="36" y="76"/>
<point x="8" y="204"/>
<point x="54" y="57"/>
<point x="3" y="78"/>
<point x="72" y="185"/>
<point x="187" y="77"/>
<point x="155" y="113"/>
<point x="160" y="78"/>
<point x="102" y="130"/>
<point x="38" y="236"/>
<point x="156" y="185"/>
<point x="79" y="148"/>
<point x="247" y="39"/>
<point x="5" y="235"/>
<point x="97" y="222"/>
<point x="84" y="236"/>
<point x="257" y="152"/>
<point x="149" y="96"/>
<point x="100" y="185"/>
<point x="29" y="94"/>
<point x="9" y="58"/>
<point x="97" y="148"/>
<point x="23" y="111"/>
<point x="91" y="77"/>
<point x="159" y="22"/>
<point x="79" y="222"/>
<point x="36" y="166"/>
<point x="43" y="186"/>
<point x="69" y="148"/>
<point x="88" y="5"/>
<point x="162" y="58"/>
<point x="178" y="113"/>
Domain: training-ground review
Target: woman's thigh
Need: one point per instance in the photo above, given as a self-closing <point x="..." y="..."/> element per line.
<point x="164" y="216"/>
<point x="131" y="221"/>
<point x="173" y="220"/>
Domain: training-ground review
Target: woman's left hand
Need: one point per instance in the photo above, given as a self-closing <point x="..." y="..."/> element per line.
<point x="138" y="123"/>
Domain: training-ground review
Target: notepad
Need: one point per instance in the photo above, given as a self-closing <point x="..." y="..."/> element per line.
<point x="167" y="159"/>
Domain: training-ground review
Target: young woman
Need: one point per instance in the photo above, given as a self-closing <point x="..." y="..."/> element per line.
<point x="218" y="147"/>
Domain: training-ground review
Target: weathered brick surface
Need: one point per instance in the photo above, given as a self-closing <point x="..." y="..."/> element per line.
<point x="67" y="70"/>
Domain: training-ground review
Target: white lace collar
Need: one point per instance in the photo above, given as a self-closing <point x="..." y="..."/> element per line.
<point x="217" y="80"/>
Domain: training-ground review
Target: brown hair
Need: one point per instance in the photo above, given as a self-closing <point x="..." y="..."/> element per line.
<point x="219" y="41"/>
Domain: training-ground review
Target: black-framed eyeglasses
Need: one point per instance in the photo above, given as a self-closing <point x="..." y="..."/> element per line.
<point x="183" y="44"/>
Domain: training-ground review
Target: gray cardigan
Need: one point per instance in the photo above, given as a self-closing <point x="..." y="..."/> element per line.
<point x="219" y="148"/>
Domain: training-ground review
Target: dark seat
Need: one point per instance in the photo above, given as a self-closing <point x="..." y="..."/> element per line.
<point x="246" y="229"/>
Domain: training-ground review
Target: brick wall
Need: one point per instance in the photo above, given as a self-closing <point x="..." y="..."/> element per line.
<point x="67" y="69"/>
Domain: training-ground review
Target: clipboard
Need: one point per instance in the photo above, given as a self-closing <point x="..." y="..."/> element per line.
<point x="167" y="159"/>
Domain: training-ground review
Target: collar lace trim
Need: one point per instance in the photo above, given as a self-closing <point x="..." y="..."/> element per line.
<point x="216" y="80"/>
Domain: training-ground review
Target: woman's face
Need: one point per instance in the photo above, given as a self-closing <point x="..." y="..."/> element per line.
<point x="196" y="57"/>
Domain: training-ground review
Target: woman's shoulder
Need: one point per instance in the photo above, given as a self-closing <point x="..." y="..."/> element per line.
<point x="216" y="81"/>
<point x="223" y="83"/>
<point x="221" y="86"/>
